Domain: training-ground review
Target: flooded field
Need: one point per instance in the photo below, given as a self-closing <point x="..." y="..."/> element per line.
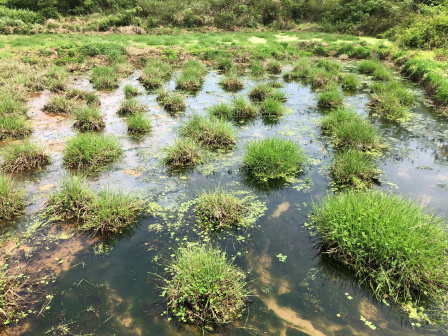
<point x="111" y="286"/>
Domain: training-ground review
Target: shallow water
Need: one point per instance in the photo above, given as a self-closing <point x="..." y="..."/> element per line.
<point x="109" y="287"/>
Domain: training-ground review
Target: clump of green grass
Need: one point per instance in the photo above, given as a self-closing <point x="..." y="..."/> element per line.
<point x="131" y="107"/>
<point x="328" y="64"/>
<point x="59" y="105"/>
<point x="192" y="76"/>
<point x="231" y="82"/>
<point x="76" y="94"/>
<point x="224" y="64"/>
<point x="350" y="82"/>
<point x="242" y="108"/>
<point x="171" y="101"/>
<point x="350" y="130"/>
<point x="11" y="105"/>
<point x="104" y="78"/>
<point x="368" y="67"/>
<point x="219" y="210"/>
<point x="387" y="106"/>
<point x="320" y="77"/>
<point x="90" y="150"/>
<point x="210" y="132"/>
<point x="204" y="287"/>
<point x="221" y="110"/>
<point x="11" y="198"/>
<point x="354" y="169"/>
<point x="260" y="92"/>
<point x="138" y="124"/>
<point x="382" y="74"/>
<point x="273" y="158"/>
<point x="14" y="127"/>
<point x="274" y="67"/>
<point x="92" y="99"/>
<point x="405" y="96"/>
<point x="257" y="69"/>
<point x="183" y="152"/>
<point x="57" y="79"/>
<point x="331" y="97"/>
<point x="393" y="244"/>
<point x="130" y="91"/>
<point x="155" y="73"/>
<point x="271" y="108"/>
<point x="276" y="85"/>
<point x="301" y="71"/>
<point x="20" y="157"/>
<point x="89" y="119"/>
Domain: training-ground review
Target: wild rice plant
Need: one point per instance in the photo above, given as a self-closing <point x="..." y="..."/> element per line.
<point x="394" y="245"/>
<point x="131" y="107"/>
<point x="20" y="157"/>
<point x="183" y="152"/>
<point x="11" y="198"/>
<point x="89" y="119"/>
<point x="138" y="124"/>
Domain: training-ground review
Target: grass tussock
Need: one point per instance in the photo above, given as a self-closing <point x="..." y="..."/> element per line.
<point x="274" y="67"/>
<point x="20" y="157"/>
<point x="131" y="107"/>
<point x="330" y="97"/>
<point x="257" y="69"/>
<point x="350" y="82"/>
<point x="183" y="152"/>
<point x="262" y="91"/>
<point x="90" y="150"/>
<point x="14" y="127"/>
<point x="224" y="64"/>
<point x="130" y="91"/>
<point x="271" y="108"/>
<point x="11" y="198"/>
<point x="209" y="131"/>
<point x="138" y="124"/>
<point x="242" y="108"/>
<point x="394" y="245"/>
<point x="205" y="288"/>
<point x="89" y="119"/>
<point x="231" y="82"/>
<point x="155" y="73"/>
<point x="171" y="101"/>
<point x="104" y="78"/>
<point x="301" y="70"/>
<point x="273" y="158"/>
<point x="59" y="105"/>
<point x="192" y="76"/>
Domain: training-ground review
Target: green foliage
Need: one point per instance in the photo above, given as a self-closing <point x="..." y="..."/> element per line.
<point x="59" y="105"/>
<point x="90" y="150"/>
<point x="274" y="67"/>
<point x="221" y="110"/>
<point x="392" y="243"/>
<point x="231" y="82"/>
<point x="104" y="78"/>
<point x="387" y="105"/>
<point x="101" y="48"/>
<point x="130" y="91"/>
<point x="171" y="101"/>
<point x="192" y="76"/>
<point x="205" y="287"/>
<point x="20" y="157"/>
<point x="89" y="119"/>
<point x="183" y="152"/>
<point x="138" y="124"/>
<point x="155" y="73"/>
<point x="224" y="64"/>
<point x="257" y="69"/>
<point x="131" y="107"/>
<point x="242" y="108"/>
<point x="11" y="198"/>
<point x="14" y="127"/>
<point x="271" y="108"/>
<point x="210" y="132"/>
<point x="273" y="158"/>
<point x="350" y="82"/>
<point x="330" y="97"/>
<point x="368" y="67"/>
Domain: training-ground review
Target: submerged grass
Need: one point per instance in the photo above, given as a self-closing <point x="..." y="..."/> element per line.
<point x="11" y="198"/>
<point x="393" y="244"/>
<point x="183" y="152"/>
<point x="20" y="157"/>
<point x="205" y="288"/>
<point x="273" y="158"/>
<point x="89" y="119"/>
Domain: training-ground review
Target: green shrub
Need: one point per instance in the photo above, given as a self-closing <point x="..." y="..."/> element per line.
<point x="59" y="105"/>
<point x="14" y="127"/>
<point x="354" y="169"/>
<point x="273" y="158"/>
<point x="20" y="157"/>
<point x="204" y="287"/>
<point x="231" y="82"/>
<point x="130" y="91"/>
<point x="220" y="210"/>
<point x="11" y="198"/>
<point x="90" y="150"/>
<point x="131" y="107"/>
<point x="350" y="82"/>
<point x="274" y="67"/>
<point x="330" y="98"/>
<point x="271" y="108"/>
<point x="210" y="132"/>
<point x="392" y="243"/>
<point x="89" y="119"/>
<point x="138" y="124"/>
<point x="104" y="78"/>
<point x="183" y="152"/>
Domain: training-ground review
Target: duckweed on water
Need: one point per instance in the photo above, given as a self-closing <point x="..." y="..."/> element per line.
<point x="89" y="119"/>
<point x="273" y="158"/>
<point x="393" y="244"/>
<point x="138" y="124"/>
<point x="20" y="157"/>
<point x="205" y="288"/>
<point x="183" y="152"/>
<point x="90" y="150"/>
<point x="131" y="107"/>
<point x="11" y="198"/>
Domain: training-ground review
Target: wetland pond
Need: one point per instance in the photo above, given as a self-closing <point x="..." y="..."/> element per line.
<point x="110" y="287"/>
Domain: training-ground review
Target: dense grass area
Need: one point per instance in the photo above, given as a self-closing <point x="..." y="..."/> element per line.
<point x="11" y="198"/>
<point x="89" y="119"/>
<point x="395" y="247"/>
<point x="89" y="150"/>
<point x="391" y="101"/>
<point x="273" y="158"/>
<point x="183" y="152"/>
<point x="205" y="288"/>
<point x="20" y="157"/>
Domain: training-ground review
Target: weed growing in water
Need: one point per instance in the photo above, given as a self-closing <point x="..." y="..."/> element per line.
<point x="271" y="108"/>
<point x="210" y="132"/>
<point x="130" y="91"/>
<point x="192" y="76"/>
<point x="138" y="124"/>
<point x="301" y="70"/>
<point x="276" y="85"/>
<point x="90" y="150"/>
<point x="406" y="97"/>
<point x="354" y="169"/>
<point x="221" y="110"/>
<point x="328" y="64"/>
<point x="319" y="77"/>
<point x="89" y="119"/>
<point x="392" y="243"/>
<point x="231" y="82"/>
<point x="257" y="69"/>
<point x="20" y="157"/>
<point x="331" y="97"/>
<point x="14" y="127"/>
<point x="350" y="82"/>
<point x="242" y="108"/>
<point x="59" y="105"/>
<point x="387" y="106"/>
<point x="171" y="101"/>
<point x="224" y="64"/>
<point x="273" y="158"/>
<point x="131" y="107"/>
<point x="155" y="73"/>
<point x="183" y="152"/>
<point x="382" y="74"/>
<point x="56" y="79"/>
<point x="92" y="99"/>
<point x="11" y="198"/>
<point x="205" y="288"/>
<point x="104" y="78"/>
<point x="274" y="67"/>
<point x="368" y="67"/>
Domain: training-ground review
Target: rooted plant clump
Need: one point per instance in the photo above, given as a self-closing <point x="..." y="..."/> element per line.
<point x="330" y="98"/>
<point x="220" y="210"/>
<point x="206" y="288"/>
<point x="192" y="76"/>
<point x="210" y="132"/>
<point x="20" y="157"/>
<point x="89" y="119"/>
<point x="232" y="82"/>
<point x="274" y="67"/>
<point x="59" y="105"/>
<point x="90" y="150"/>
<point x="155" y="73"/>
<point x="131" y="107"/>
<point x="392" y="243"/>
<point x="171" y="101"/>
<point x="11" y="198"/>
<point x="273" y="158"/>
<point x="104" y="78"/>
<point x="138" y="124"/>
<point x="130" y="91"/>
<point x="14" y="127"/>
<point x="271" y="108"/>
<point x="350" y="82"/>
<point x="183" y="152"/>
<point x="242" y="108"/>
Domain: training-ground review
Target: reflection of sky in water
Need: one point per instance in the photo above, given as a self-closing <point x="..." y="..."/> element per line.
<point x="110" y="288"/>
